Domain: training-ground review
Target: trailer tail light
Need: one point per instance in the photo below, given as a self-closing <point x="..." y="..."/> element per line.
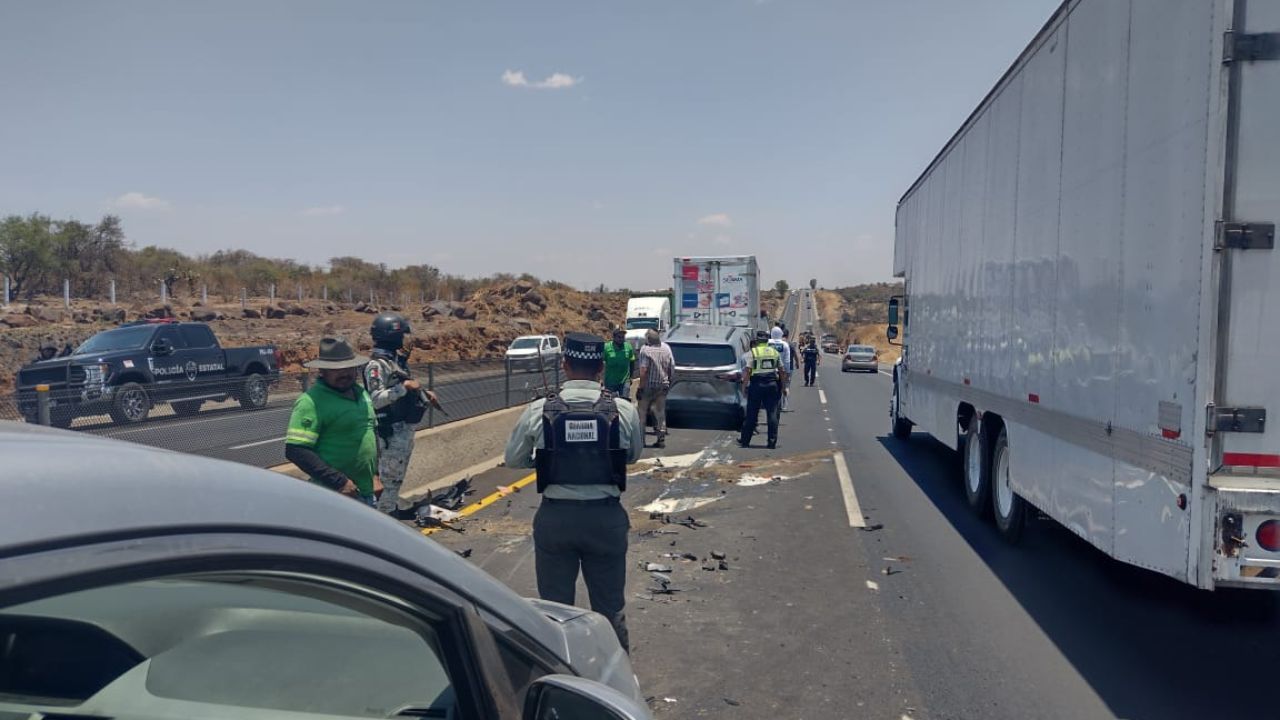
<point x="1268" y="535"/>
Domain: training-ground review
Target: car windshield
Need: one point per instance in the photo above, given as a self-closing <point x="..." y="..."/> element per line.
<point x="524" y="344"/>
<point x="642" y="323"/>
<point x="696" y="355"/>
<point x="128" y="338"/>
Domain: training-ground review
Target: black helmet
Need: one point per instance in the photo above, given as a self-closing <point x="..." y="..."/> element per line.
<point x="388" y="330"/>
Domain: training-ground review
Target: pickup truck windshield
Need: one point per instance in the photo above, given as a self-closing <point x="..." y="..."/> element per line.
<point x="129" y="338"/>
<point x="642" y="323"/>
<point x="524" y="344"/>
<point x="703" y="355"/>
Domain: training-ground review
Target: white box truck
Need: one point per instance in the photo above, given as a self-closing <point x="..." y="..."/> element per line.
<point x="717" y="290"/>
<point x="1092" y="294"/>
<point x="645" y="314"/>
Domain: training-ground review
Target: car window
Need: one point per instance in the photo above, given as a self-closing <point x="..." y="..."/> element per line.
<point x="172" y="335"/>
<point x="197" y="336"/>
<point x="700" y="355"/>
<point x="246" y="641"/>
<point x="125" y="338"/>
<point x="555" y="343"/>
<point x="523" y="344"/>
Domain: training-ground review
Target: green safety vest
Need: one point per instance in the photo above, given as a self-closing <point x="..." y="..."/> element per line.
<point x="765" y="361"/>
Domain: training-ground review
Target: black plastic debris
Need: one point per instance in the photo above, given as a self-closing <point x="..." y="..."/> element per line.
<point x="873" y="528"/>
<point x="426" y="521"/>
<point x="464" y="553"/>
<point x="731" y="702"/>
<point x="718" y="554"/>
<point x="452" y="497"/>
<point x="709" y="566"/>
<point x="723" y="565"/>
<point x="688" y="521"/>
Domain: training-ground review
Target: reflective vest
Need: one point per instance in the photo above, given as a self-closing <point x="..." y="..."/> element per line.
<point x="581" y="444"/>
<point x="765" y="362"/>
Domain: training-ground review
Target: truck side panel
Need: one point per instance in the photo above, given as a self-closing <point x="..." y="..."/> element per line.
<point x="1053" y="257"/>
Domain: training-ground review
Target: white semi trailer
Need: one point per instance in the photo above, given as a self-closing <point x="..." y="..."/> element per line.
<point x="1092" y="295"/>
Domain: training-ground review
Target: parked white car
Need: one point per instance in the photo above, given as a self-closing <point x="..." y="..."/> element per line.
<point x="525" y="351"/>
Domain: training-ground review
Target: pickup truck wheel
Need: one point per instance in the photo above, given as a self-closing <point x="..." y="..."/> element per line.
<point x="901" y="426"/>
<point x="131" y="404"/>
<point x="977" y="471"/>
<point x="186" y="408"/>
<point x="1010" y="509"/>
<point x="253" y="393"/>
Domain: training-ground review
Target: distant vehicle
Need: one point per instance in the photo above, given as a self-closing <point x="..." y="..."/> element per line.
<point x="1092" y="313"/>
<point x="860" y="357"/>
<point x="830" y="344"/>
<point x="708" y="379"/>
<point x="178" y="586"/>
<point x="645" y="314"/>
<point x="126" y="371"/>
<point x="718" y="291"/>
<point x="533" y="353"/>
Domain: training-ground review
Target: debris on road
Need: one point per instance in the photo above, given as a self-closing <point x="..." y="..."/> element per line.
<point x="655" y="533"/>
<point x="723" y="565"/>
<point x="709" y="566"/>
<point x="434" y="512"/>
<point x="688" y="522"/>
<point x="429" y="522"/>
<point x="731" y="702"/>
<point x="675" y="505"/>
<point x="680" y="556"/>
<point x="873" y="528"/>
<point x="466" y="553"/>
<point x="452" y="497"/>
<point x="657" y="567"/>
<point x="718" y="554"/>
<point x="897" y="559"/>
<point x="873" y="585"/>
<point x="887" y="570"/>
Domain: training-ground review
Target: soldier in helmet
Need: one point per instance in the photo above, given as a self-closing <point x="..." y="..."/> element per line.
<point x="579" y="440"/>
<point x="398" y="400"/>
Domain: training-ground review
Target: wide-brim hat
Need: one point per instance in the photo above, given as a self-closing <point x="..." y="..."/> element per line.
<point x="336" y="354"/>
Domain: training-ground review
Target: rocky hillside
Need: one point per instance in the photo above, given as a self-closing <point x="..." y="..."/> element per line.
<point x="480" y="326"/>
<point x="858" y="314"/>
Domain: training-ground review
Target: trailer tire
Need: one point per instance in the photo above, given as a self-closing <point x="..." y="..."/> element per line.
<point x="901" y="426"/>
<point x="976" y="469"/>
<point x="130" y="404"/>
<point x="1009" y="508"/>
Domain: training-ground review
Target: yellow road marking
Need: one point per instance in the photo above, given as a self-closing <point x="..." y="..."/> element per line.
<point x="488" y="500"/>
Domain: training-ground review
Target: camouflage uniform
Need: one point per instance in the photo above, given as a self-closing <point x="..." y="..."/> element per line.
<point x="386" y="386"/>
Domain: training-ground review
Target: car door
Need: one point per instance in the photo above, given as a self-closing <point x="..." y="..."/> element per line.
<point x="202" y="355"/>
<point x="246" y="625"/>
<point x="168" y="361"/>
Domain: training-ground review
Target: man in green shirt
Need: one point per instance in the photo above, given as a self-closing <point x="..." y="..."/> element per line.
<point x="619" y="364"/>
<point x="331" y="435"/>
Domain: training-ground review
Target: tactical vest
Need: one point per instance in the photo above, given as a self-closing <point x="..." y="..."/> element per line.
<point x="409" y="409"/>
<point x="811" y="354"/>
<point x="765" y="362"/>
<point x="581" y="444"/>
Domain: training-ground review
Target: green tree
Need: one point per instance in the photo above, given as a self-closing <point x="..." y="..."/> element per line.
<point x="781" y="288"/>
<point x="27" y="253"/>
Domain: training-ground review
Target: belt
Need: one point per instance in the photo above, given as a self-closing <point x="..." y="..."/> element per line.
<point x="596" y="501"/>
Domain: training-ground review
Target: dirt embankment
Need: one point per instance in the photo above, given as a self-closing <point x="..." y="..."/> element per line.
<point x="481" y="326"/>
<point x="858" y="314"/>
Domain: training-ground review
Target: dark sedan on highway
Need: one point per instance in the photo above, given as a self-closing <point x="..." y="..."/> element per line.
<point x="142" y="583"/>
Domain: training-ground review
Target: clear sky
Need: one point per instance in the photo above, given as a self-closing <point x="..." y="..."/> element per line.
<point x="583" y="141"/>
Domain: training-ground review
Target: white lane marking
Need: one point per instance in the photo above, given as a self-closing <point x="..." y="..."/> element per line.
<point x="822" y="396"/>
<point x="846" y="488"/>
<point x="255" y="444"/>
<point x="886" y="373"/>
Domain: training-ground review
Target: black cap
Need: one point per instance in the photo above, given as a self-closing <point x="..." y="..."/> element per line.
<point x="762" y="336"/>
<point x="583" y="346"/>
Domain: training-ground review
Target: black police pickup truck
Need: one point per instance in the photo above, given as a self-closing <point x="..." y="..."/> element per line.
<point x="126" y="371"/>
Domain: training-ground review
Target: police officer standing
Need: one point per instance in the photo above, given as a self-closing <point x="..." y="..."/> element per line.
<point x="398" y="399"/>
<point x="812" y="358"/>
<point x="580" y="441"/>
<point x="763" y="375"/>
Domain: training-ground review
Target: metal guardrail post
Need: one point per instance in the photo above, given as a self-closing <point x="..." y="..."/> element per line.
<point x="431" y="385"/>
<point x="506" y="383"/>
<point x="42" y="402"/>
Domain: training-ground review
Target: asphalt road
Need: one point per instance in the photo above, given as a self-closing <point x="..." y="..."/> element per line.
<point x="922" y="613"/>
<point x="226" y="431"/>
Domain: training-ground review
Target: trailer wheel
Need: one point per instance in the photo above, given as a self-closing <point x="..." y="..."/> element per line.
<point x="900" y="425"/>
<point x="1010" y="509"/>
<point x="977" y="470"/>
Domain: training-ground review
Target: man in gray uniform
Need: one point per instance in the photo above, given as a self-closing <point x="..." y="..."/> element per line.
<point x="399" y="401"/>
<point x="580" y="440"/>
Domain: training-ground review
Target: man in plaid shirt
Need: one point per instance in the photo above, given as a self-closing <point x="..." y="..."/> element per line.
<point x="657" y="365"/>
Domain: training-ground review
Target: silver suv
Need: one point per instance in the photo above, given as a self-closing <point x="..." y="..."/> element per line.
<point x="707" y="383"/>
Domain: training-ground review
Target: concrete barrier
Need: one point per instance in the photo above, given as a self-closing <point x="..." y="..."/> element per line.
<point x="445" y="454"/>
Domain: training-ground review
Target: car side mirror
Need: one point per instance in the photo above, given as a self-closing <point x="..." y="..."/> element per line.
<point x="558" y="697"/>
<point x="162" y="347"/>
